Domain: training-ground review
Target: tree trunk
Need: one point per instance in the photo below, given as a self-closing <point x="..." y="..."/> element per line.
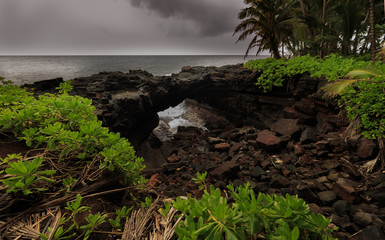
<point x="304" y="9"/>
<point x="274" y="47"/>
<point x="325" y="3"/>
<point x="372" y="32"/>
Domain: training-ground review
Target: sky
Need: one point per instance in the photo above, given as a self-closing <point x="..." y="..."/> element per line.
<point x="122" y="27"/>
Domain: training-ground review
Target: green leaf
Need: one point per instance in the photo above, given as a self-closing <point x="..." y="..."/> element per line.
<point x="295" y="233"/>
<point x="288" y="212"/>
<point x="47" y="172"/>
<point x="20" y="185"/>
<point x="206" y="228"/>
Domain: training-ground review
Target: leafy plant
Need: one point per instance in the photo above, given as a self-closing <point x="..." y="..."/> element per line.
<point x="64" y="87"/>
<point x="147" y="202"/>
<point x="93" y="222"/>
<point x="164" y="211"/>
<point x="120" y="214"/>
<point x="24" y="174"/>
<point x="61" y="233"/>
<point x="67" y="126"/>
<point x="274" y="72"/>
<point x="75" y="207"/>
<point x="201" y="180"/>
<point x="68" y="183"/>
<point x="271" y="217"/>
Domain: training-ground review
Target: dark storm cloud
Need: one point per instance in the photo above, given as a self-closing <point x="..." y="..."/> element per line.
<point x="212" y="17"/>
<point x="118" y="27"/>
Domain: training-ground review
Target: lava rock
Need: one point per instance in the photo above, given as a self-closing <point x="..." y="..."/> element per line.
<point x="365" y="148"/>
<point x="286" y="127"/>
<point x="327" y="196"/>
<point x="257" y="172"/>
<point x="225" y="170"/>
<point x="268" y="139"/>
<point x="363" y="219"/>
<point x="340" y="207"/>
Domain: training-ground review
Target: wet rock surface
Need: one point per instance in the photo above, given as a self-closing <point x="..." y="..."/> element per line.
<point x="289" y="141"/>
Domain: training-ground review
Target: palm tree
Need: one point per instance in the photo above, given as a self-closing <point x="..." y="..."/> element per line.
<point x="268" y="21"/>
<point x="372" y="31"/>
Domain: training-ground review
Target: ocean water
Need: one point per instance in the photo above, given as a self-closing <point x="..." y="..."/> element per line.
<point x="28" y="69"/>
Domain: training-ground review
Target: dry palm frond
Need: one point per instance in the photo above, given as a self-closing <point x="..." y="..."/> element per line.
<point x="27" y="228"/>
<point x="55" y="224"/>
<point x="331" y="90"/>
<point x="148" y="224"/>
<point x="169" y="225"/>
<point x="6" y="201"/>
<point x="140" y="220"/>
<point x="52" y="202"/>
<point x="364" y="73"/>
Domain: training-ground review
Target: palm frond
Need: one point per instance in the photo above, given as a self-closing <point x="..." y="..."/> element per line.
<point x="334" y="89"/>
<point x="364" y="73"/>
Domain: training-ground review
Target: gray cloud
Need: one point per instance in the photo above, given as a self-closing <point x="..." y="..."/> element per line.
<point x="212" y="17"/>
<point x="118" y="27"/>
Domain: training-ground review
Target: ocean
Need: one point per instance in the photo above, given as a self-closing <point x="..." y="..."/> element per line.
<point x="28" y="69"/>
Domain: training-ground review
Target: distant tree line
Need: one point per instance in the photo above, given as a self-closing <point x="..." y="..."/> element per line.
<point x="314" y="27"/>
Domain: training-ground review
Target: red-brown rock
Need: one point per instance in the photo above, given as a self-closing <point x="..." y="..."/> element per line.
<point x="290" y="112"/>
<point x="225" y="168"/>
<point x="268" y="139"/>
<point x="286" y="127"/>
<point x="222" y="146"/>
<point x="365" y="148"/>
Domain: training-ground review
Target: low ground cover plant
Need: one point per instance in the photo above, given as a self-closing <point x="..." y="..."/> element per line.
<point x="273" y="72"/>
<point x="247" y="216"/>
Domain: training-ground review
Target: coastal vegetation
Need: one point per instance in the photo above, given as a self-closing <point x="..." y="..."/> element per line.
<point x="67" y="147"/>
<point x="247" y="217"/>
<point x="358" y="85"/>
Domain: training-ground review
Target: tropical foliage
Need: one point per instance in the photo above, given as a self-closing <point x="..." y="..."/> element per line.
<point x="273" y="73"/>
<point x="248" y="217"/>
<point x="67" y="128"/>
<point x="315" y="27"/>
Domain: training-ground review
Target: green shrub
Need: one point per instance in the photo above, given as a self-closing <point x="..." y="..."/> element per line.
<point x="24" y="174"/>
<point x="273" y="72"/>
<point x="67" y="126"/>
<point x="366" y="100"/>
<point x="271" y="217"/>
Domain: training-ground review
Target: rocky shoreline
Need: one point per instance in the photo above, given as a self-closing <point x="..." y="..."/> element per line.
<point x="287" y="141"/>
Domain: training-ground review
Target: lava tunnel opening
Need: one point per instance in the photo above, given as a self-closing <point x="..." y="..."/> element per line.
<point x="187" y="118"/>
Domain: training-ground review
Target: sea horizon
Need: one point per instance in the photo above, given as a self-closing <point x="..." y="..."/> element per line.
<point x="22" y="69"/>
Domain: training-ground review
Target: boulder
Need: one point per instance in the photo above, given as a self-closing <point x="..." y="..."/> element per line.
<point x="286" y="127"/>
<point x="290" y="112"/>
<point x="327" y="196"/>
<point x="268" y="139"/>
<point x="309" y="135"/>
<point x="365" y="148"/>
